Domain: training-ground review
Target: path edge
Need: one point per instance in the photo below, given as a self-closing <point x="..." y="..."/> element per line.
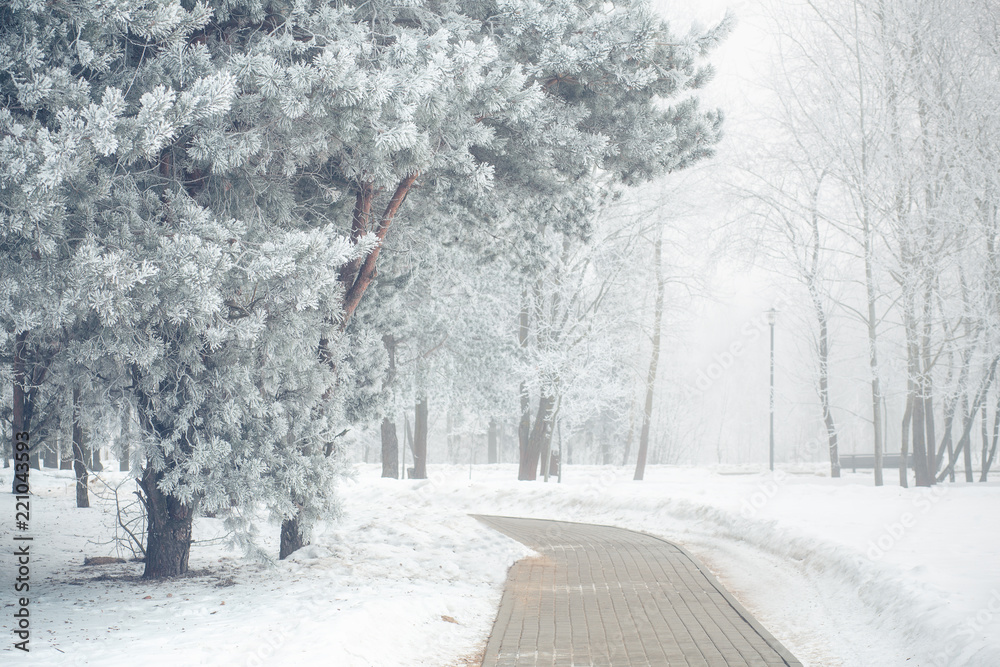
<point x="744" y="613"/>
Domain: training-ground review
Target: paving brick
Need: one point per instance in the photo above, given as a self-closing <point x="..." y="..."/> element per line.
<point x="601" y="596"/>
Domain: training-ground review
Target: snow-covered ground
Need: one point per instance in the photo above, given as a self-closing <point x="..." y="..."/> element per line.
<point x="843" y="573"/>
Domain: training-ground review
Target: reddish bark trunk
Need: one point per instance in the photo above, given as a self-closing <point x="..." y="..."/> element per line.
<point x="366" y="273"/>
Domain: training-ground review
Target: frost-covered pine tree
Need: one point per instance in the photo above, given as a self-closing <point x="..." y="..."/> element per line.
<point x="166" y="246"/>
<point x="195" y="196"/>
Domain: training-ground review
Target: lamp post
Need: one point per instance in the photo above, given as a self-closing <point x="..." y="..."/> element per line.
<point x="772" y="315"/>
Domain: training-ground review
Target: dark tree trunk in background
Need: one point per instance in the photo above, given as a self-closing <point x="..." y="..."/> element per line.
<point x="390" y="441"/>
<point x="920" y="460"/>
<point x="546" y="454"/>
<point x="50" y="457"/>
<point x="79" y="446"/>
<point x="988" y="462"/>
<point x="407" y="443"/>
<point x="491" y="447"/>
<point x="168" y="518"/>
<point x="946" y="442"/>
<point x="66" y="454"/>
<point x="390" y="449"/>
<point x="647" y="412"/>
<point x="554" y="464"/>
<point x="95" y="460"/>
<point x="968" y="421"/>
<point x="967" y="453"/>
<point x="872" y="322"/>
<point x="168" y="537"/>
<point x="929" y="430"/>
<point x="420" y="439"/>
<point x="984" y="458"/>
<point x="524" y="471"/>
<point x="19" y="417"/>
<point x="904" y="445"/>
<point x="291" y="538"/>
<point x="950" y="405"/>
<point x="915" y="389"/>
<point x="536" y="440"/>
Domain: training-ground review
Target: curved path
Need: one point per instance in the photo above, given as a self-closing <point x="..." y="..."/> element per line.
<point x="609" y="597"/>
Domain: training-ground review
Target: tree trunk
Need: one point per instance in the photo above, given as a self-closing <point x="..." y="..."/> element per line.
<point x="915" y="384"/>
<point x="291" y="537"/>
<point x="546" y="454"/>
<point x="95" y="460"/>
<point x="876" y="395"/>
<point x="407" y="443"/>
<point x="536" y="441"/>
<point x="525" y="471"/>
<point x="967" y="452"/>
<point x="872" y="319"/>
<point x="988" y="462"/>
<point x="946" y="443"/>
<point x="904" y="447"/>
<point x="420" y="439"/>
<point x="968" y="419"/>
<point x="168" y="537"/>
<point x="66" y="453"/>
<point x="390" y="441"/>
<point x="927" y="383"/>
<point x="20" y="416"/>
<point x="355" y="287"/>
<point x="79" y="454"/>
<point x="813" y="285"/>
<point x="951" y="469"/>
<point x="631" y="433"/>
<point x="523" y="434"/>
<point x="34" y="459"/>
<point x="986" y="442"/>
<point x="390" y="449"/>
<point x="491" y="447"/>
<point x="50" y="457"/>
<point x="949" y="414"/>
<point x="647" y="412"/>
<point x="920" y="467"/>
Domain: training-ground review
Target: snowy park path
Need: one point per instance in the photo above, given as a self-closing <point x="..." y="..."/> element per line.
<point x="599" y="595"/>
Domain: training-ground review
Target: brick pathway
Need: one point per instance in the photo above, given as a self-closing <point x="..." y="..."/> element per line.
<point x="609" y="597"/>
